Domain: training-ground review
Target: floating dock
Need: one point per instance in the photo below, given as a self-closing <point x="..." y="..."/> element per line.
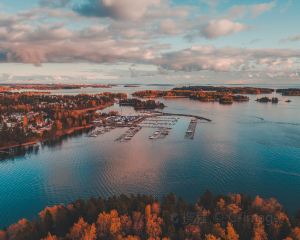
<point x="159" y="122"/>
<point x="129" y="134"/>
<point x="160" y="134"/>
<point x="190" y="132"/>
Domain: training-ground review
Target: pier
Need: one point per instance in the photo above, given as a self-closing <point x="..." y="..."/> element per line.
<point x="100" y="130"/>
<point x="190" y="132"/>
<point x="184" y="115"/>
<point x="129" y="134"/>
<point x="160" y="134"/>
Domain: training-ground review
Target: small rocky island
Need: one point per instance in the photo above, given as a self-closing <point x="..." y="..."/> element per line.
<point x="267" y="100"/>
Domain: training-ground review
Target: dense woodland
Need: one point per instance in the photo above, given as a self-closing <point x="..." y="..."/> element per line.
<point x="230" y="217"/>
<point x="289" y="91"/>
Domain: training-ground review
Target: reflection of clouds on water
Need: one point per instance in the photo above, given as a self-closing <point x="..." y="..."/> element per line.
<point x="138" y="164"/>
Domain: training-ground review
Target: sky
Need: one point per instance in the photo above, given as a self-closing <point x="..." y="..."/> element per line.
<point x="161" y="41"/>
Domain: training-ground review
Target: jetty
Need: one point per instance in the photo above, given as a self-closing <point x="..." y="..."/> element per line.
<point x="184" y="115"/>
<point x="190" y="132"/>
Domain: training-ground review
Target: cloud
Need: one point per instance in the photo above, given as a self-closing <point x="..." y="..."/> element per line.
<point x="222" y="27"/>
<point x="48" y="33"/>
<point x="135" y="31"/>
<point x="259" y="9"/>
<point x="116" y="9"/>
<point x="294" y="38"/>
<point x="56" y="43"/>
<point x="199" y="58"/>
<point x="169" y="26"/>
<point x="253" y="10"/>
<point x="54" y="3"/>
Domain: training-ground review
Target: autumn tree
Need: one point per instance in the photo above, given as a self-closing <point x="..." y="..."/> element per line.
<point x="50" y="237"/>
<point x="231" y="233"/>
<point x="218" y="231"/>
<point x="108" y="224"/>
<point x="82" y="231"/>
<point x="296" y="233"/>
<point x="211" y="237"/>
<point x="137" y="222"/>
<point x="258" y="228"/>
<point x="3" y="235"/>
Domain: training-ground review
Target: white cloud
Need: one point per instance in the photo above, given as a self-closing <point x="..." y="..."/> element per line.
<point x="222" y="27"/>
<point x="230" y="59"/>
<point x="294" y="38"/>
<point x="259" y="9"/>
<point x="254" y="10"/>
<point x="169" y="26"/>
<point x="124" y="10"/>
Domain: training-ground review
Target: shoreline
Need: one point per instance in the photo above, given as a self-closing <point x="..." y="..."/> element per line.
<point x="61" y="133"/>
<point x="6" y="149"/>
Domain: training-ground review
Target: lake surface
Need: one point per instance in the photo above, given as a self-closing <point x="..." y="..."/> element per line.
<point x="250" y="147"/>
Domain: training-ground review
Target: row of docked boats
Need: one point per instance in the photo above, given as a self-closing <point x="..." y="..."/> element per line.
<point x="159" y="134"/>
<point x="100" y="130"/>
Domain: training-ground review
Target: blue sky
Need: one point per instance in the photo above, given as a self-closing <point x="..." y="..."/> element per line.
<point x="171" y="36"/>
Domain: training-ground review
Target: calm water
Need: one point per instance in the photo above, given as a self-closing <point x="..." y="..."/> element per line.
<point x="249" y="147"/>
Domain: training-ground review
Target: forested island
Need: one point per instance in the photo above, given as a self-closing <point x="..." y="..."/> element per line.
<point x="138" y="217"/>
<point x="267" y="100"/>
<point x="202" y="96"/>
<point x="233" y="90"/>
<point x="141" y="105"/>
<point x="289" y="91"/>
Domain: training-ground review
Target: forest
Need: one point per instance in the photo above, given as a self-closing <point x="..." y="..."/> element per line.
<point x="138" y="217"/>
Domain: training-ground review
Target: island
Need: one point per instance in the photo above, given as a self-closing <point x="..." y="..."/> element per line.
<point x="289" y="92"/>
<point x="141" y="105"/>
<point x="267" y="100"/>
<point x="226" y="96"/>
<point x="10" y="87"/>
<point x="233" y="90"/>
